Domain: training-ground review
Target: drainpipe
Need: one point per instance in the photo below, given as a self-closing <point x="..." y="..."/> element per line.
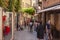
<point x="17" y="21"/>
<point x="12" y="26"/>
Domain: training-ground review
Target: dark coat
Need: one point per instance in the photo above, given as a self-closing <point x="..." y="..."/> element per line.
<point x="40" y="31"/>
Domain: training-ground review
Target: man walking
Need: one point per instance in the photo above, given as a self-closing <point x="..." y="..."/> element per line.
<point x="31" y="25"/>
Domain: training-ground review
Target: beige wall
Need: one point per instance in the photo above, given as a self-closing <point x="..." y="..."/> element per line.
<point x="49" y="3"/>
<point x="55" y="20"/>
<point x="0" y="23"/>
<point x="26" y="3"/>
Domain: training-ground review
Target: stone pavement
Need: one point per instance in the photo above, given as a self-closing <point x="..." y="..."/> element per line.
<point x="25" y="35"/>
<point x="8" y="37"/>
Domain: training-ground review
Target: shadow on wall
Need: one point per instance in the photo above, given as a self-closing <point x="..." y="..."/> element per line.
<point x="55" y="32"/>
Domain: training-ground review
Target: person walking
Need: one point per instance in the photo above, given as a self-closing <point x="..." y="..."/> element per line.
<point x="35" y="25"/>
<point x="31" y="25"/>
<point x="40" y="31"/>
<point x="48" y="31"/>
<point x="25" y="24"/>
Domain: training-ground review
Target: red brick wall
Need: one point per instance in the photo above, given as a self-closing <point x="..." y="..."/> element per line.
<point x="49" y="3"/>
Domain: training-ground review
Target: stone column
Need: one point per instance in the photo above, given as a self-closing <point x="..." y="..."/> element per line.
<point x="12" y="26"/>
<point x="1" y="23"/>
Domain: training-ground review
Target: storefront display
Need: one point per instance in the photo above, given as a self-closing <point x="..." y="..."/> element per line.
<point x="7" y="25"/>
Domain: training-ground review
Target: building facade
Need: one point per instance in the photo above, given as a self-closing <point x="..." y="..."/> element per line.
<point x="49" y="3"/>
<point x="26" y="3"/>
<point x="54" y="16"/>
<point x="51" y="11"/>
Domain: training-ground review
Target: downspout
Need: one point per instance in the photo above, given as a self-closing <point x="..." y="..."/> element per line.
<point x="17" y="21"/>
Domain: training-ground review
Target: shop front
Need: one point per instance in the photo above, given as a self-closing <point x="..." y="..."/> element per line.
<point x="7" y="25"/>
<point x="53" y="14"/>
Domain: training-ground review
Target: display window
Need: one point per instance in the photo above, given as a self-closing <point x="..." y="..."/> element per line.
<point x="7" y="26"/>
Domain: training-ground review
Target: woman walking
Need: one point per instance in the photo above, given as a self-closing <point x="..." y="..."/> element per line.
<point x="48" y="30"/>
<point x="40" y="31"/>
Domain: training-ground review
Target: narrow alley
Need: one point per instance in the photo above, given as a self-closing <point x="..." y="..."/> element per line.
<point x="29" y="19"/>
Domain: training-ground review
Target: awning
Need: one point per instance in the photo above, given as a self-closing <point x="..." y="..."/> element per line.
<point x="49" y="9"/>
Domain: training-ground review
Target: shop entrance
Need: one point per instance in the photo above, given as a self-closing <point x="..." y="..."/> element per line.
<point x="7" y="25"/>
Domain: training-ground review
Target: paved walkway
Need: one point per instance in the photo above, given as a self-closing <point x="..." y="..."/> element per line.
<point x="8" y="37"/>
<point x="25" y="35"/>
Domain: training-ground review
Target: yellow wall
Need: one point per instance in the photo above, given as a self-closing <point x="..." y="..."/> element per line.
<point x="58" y="22"/>
<point x="26" y="3"/>
<point x="55" y="20"/>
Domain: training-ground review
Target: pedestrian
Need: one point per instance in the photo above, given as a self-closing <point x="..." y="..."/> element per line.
<point x="48" y="30"/>
<point x="35" y="25"/>
<point x="17" y="27"/>
<point x="40" y="31"/>
<point x="25" y="24"/>
<point x="31" y="25"/>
